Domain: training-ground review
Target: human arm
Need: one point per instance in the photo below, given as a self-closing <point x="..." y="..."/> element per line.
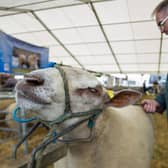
<point x="155" y="105"/>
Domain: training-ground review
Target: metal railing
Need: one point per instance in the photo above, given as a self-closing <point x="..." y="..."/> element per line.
<point x="20" y="129"/>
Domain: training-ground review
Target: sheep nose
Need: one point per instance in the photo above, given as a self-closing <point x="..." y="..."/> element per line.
<point x="34" y="79"/>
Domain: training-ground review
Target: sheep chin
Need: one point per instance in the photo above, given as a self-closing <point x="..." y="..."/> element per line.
<point x="27" y="104"/>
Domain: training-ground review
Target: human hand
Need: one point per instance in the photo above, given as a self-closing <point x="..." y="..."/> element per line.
<point x="150" y="105"/>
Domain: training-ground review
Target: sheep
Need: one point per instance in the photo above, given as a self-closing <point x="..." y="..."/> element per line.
<point x="8" y="106"/>
<point x="4" y="104"/>
<point x="7" y="81"/>
<point x="122" y="137"/>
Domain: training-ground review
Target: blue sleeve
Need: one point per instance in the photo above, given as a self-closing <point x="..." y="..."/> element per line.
<point x="161" y="100"/>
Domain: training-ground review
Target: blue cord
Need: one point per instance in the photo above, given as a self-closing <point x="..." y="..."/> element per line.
<point x="91" y="123"/>
<point x="21" y="120"/>
<point x="54" y="135"/>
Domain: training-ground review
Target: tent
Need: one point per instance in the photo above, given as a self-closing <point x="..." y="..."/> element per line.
<point x="109" y="36"/>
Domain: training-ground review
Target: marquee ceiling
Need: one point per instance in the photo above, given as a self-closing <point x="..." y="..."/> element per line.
<point x="109" y="36"/>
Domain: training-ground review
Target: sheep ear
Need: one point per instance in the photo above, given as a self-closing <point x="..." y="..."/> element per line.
<point x="125" y="97"/>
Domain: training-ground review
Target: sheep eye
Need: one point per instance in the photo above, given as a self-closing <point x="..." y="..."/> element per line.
<point x="93" y="90"/>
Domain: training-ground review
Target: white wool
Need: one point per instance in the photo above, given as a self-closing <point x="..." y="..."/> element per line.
<point x="124" y="139"/>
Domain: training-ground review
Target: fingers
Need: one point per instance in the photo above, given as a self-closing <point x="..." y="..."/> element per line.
<point x="149" y="108"/>
<point x="149" y="105"/>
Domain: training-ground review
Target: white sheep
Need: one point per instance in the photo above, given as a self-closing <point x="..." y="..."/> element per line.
<point x="123" y="136"/>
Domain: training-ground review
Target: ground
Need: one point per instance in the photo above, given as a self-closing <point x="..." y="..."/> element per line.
<point x="160" y="158"/>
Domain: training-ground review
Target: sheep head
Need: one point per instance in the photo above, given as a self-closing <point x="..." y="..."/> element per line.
<point x="43" y="92"/>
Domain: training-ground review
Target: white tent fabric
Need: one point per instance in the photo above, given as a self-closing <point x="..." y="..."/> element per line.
<point x="109" y="36"/>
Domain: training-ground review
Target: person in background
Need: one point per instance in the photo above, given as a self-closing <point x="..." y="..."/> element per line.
<point x="160" y="103"/>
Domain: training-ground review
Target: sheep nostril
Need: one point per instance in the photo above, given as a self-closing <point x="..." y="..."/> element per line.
<point x="34" y="80"/>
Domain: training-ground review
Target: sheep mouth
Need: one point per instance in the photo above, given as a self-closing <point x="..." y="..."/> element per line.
<point x="33" y="98"/>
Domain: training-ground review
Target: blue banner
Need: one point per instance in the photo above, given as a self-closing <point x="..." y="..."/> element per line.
<point x="19" y="57"/>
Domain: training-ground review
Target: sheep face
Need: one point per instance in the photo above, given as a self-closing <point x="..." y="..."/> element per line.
<point x="43" y="92"/>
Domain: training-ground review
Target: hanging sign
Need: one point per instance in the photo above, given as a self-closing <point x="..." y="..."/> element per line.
<point x="18" y="57"/>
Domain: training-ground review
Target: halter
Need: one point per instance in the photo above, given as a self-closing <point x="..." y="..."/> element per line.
<point x="89" y="116"/>
<point x="68" y="114"/>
